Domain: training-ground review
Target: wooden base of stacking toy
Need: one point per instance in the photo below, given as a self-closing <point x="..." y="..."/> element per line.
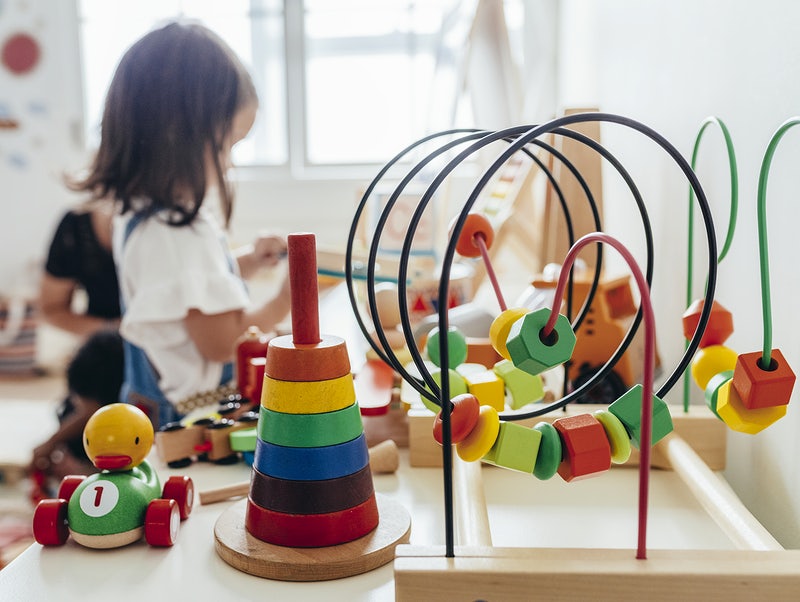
<point x="251" y="555"/>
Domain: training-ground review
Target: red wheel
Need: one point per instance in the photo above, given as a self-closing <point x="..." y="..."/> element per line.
<point x="180" y="489"/>
<point x="68" y="486"/>
<point x="162" y="522"/>
<point x="50" y="522"/>
<point x="475" y="225"/>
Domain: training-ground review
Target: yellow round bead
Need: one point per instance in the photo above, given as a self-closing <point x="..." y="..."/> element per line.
<point x="617" y="436"/>
<point x="501" y="326"/>
<point x="710" y="361"/>
<point x="482" y="437"/>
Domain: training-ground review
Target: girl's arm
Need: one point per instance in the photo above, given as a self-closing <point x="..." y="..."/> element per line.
<point x="216" y="334"/>
<point x="55" y="303"/>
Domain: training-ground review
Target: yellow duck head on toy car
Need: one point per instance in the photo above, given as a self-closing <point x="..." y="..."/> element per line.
<point x="118" y="437"/>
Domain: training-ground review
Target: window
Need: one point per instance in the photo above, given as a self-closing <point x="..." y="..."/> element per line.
<point x="342" y="83"/>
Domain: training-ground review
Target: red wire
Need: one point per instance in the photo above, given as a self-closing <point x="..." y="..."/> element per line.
<point x="480" y="240"/>
<point x="649" y="360"/>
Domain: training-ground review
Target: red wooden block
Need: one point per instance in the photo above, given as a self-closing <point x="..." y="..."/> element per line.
<point x="763" y="388"/>
<point x="718" y="328"/>
<point x="311" y="530"/>
<point x="586" y="447"/>
<point x="475" y="225"/>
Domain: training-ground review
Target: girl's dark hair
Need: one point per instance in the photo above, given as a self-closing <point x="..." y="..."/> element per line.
<point x="172" y="100"/>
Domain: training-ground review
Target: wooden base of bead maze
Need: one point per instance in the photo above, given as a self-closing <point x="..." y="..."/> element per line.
<point x="760" y="569"/>
<point x="251" y="555"/>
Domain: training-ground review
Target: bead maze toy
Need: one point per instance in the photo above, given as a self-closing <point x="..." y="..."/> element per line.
<point x="311" y="487"/>
<point x="124" y="501"/>
<point x="572" y="445"/>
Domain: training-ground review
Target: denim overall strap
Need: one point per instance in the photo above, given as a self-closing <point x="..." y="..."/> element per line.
<point x="141" y="386"/>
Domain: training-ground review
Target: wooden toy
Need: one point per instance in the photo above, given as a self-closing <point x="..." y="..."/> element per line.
<point x="711" y="360"/>
<point x="763" y="387"/>
<point x="346" y="528"/>
<point x="481" y="439"/>
<point x="251" y="345"/>
<point x="125" y="500"/>
<point x="587" y="450"/>
<point x="534" y="353"/>
<point x="463" y="418"/>
<point x="516" y="448"/>
<point x="374" y="385"/>
<point x="448" y="572"/>
<point x="718" y="329"/>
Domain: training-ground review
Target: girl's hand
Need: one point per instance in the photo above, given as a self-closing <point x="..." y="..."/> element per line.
<point x="268" y="250"/>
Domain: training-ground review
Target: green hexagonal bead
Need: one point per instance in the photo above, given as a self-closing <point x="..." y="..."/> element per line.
<point x="456" y="347"/>
<point x="628" y="409"/>
<point x="530" y="351"/>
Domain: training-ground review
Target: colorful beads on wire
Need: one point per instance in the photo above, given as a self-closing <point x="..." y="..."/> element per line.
<point x="745" y="395"/>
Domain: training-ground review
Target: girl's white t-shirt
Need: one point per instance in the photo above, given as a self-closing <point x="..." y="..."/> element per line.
<point x="164" y="271"/>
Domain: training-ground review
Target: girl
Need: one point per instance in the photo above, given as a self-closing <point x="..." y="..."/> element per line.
<point x="179" y="100"/>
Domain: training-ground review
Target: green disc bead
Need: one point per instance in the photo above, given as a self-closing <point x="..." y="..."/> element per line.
<point x="712" y="389"/>
<point x="550" y="450"/>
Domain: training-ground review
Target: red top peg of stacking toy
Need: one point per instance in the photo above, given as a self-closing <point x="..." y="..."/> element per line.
<point x="303" y="285"/>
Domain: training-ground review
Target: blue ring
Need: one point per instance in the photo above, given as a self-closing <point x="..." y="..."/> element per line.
<point x="311" y="463"/>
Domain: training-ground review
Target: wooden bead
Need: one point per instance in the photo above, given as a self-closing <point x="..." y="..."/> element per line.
<point x="617" y="436"/>
<point x="310" y="430"/>
<point x="718" y="328"/>
<point x="463" y="418"/>
<point x="308" y="397"/>
<point x="481" y="351"/>
<point x="516" y="447"/>
<point x="550" y="451"/>
<point x="458" y="386"/>
<point x="481" y="439"/>
<point x="733" y="412"/>
<point x="321" y="361"/>
<point x="501" y="326"/>
<point x="311" y="530"/>
<point x="586" y="447"/>
<point x="628" y="409"/>
<point x="524" y="388"/>
<point x="311" y="463"/>
<point x="533" y="354"/>
<point x="311" y="497"/>
<point x="456" y="347"/>
<point x="710" y="361"/>
<point x="761" y="387"/>
<point x="488" y="388"/>
<point x="475" y="225"/>
<point x="711" y="392"/>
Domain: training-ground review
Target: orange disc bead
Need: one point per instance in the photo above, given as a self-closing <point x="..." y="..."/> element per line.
<point x="475" y="225"/>
<point x="463" y="418"/>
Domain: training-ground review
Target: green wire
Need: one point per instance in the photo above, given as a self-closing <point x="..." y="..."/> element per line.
<point x="763" y="251"/>
<point x="734" y="175"/>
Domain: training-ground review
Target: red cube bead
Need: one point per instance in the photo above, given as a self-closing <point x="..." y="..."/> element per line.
<point x="586" y="447"/>
<point x="718" y="328"/>
<point x="763" y="387"/>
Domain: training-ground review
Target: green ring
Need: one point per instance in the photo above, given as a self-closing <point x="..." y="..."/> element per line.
<point x="549" y="456"/>
<point x="712" y="389"/>
<point x="310" y="430"/>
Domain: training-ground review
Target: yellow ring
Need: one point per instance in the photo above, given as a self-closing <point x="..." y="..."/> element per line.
<point x="618" y="437"/>
<point x="482" y="437"/>
<point x="313" y="397"/>
<point x="501" y="326"/>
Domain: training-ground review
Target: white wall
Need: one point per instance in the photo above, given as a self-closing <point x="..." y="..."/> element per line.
<point x="670" y="65"/>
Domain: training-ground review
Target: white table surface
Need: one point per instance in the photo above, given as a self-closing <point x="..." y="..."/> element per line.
<point x="525" y="512"/>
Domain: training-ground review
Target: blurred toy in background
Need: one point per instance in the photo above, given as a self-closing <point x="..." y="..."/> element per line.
<point x="94" y="378"/>
<point x="125" y="500"/>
